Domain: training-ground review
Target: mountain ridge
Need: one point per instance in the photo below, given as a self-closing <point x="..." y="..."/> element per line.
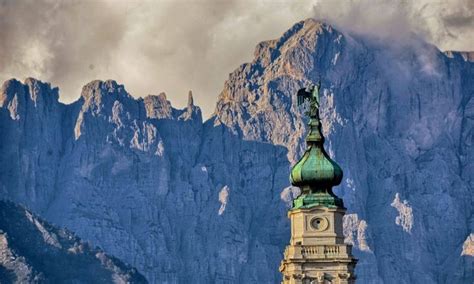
<point x="180" y="197"/>
<point x="34" y="251"/>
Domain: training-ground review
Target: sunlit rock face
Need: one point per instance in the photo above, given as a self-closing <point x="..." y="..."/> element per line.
<point x="151" y="184"/>
<point x="31" y="141"/>
<point x="185" y="200"/>
<point x="34" y="251"/>
<point x="398" y="118"/>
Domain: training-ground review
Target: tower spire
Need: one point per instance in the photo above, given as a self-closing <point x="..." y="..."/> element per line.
<point x="317" y="252"/>
<point x="315" y="173"/>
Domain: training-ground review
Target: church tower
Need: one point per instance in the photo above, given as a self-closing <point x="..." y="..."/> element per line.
<point x="317" y="252"/>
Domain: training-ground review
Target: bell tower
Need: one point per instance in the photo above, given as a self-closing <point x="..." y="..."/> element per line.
<point x="317" y="252"/>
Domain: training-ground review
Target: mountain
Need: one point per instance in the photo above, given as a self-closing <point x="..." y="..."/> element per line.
<point x="466" y="55"/>
<point x="185" y="200"/>
<point x="399" y="119"/>
<point x="33" y="251"/>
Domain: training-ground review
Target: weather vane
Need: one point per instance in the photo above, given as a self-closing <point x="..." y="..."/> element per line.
<point x="310" y="94"/>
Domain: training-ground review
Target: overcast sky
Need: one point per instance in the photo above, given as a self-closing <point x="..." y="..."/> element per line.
<point x="176" y="46"/>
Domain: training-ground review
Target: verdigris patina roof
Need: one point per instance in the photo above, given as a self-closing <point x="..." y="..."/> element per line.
<point x="315" y="173"/>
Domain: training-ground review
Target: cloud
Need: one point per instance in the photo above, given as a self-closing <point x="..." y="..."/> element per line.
<point x="447" y="24"/>
<point x="175" y="46"/>
<point x="150" y="46"/>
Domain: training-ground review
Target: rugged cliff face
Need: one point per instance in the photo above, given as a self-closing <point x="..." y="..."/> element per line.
<point x="148" y="183"/>
<point x="184" y="200"/>
<point x="399" y="119"/>
<point x="33" y="251"/>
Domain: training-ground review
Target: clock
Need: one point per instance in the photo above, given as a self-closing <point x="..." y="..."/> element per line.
<point x="319" y="223"/>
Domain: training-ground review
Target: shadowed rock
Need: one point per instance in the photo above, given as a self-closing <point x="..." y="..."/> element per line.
<point x="33" y="251"/>
<point x="145" y="180"/>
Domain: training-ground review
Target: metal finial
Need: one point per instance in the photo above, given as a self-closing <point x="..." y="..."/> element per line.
<point x="311" y="95"/>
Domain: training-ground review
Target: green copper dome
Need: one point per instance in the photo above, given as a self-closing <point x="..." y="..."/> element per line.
<point x="315" y="173"/>
<point x="315" y="169"/>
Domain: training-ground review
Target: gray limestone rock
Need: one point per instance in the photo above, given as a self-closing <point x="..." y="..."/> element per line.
<point x="185" y="200"/>
<point x="33" y="251"/>
<point x="398" y="119"/>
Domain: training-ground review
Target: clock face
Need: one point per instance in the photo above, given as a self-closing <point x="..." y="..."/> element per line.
<point x="319" y="223"/>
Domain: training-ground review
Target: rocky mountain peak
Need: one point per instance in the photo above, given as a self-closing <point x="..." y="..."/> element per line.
<point x="106" y="105"/>
<point x="190" y="99"/>
<point x="39" y="90"/>
<point x="17" y="96"/>
<point x="303" y="34"/>
<point x="375" y="98"/>
<point x="32" y="250"/>
<point x="98" y="95"/>
<point x="9" y="89"/>
<point x="162" y="96"/>
<point x="465" y="55"/>
<point x="158" y="106"/>
<point x="263" y="90"/>
<point x="191" y="111"/>
<point x="187" y="201"/>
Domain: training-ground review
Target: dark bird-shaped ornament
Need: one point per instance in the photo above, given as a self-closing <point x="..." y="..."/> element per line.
<point x="310" y="94"/>
<point x="303" y="95"/>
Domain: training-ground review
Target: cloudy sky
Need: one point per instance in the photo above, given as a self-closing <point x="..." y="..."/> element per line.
<point x="176" y="46"/>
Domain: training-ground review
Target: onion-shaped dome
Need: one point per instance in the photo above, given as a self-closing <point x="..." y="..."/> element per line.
<point x="315" y="173"/>
<point x="315" y="169"/>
